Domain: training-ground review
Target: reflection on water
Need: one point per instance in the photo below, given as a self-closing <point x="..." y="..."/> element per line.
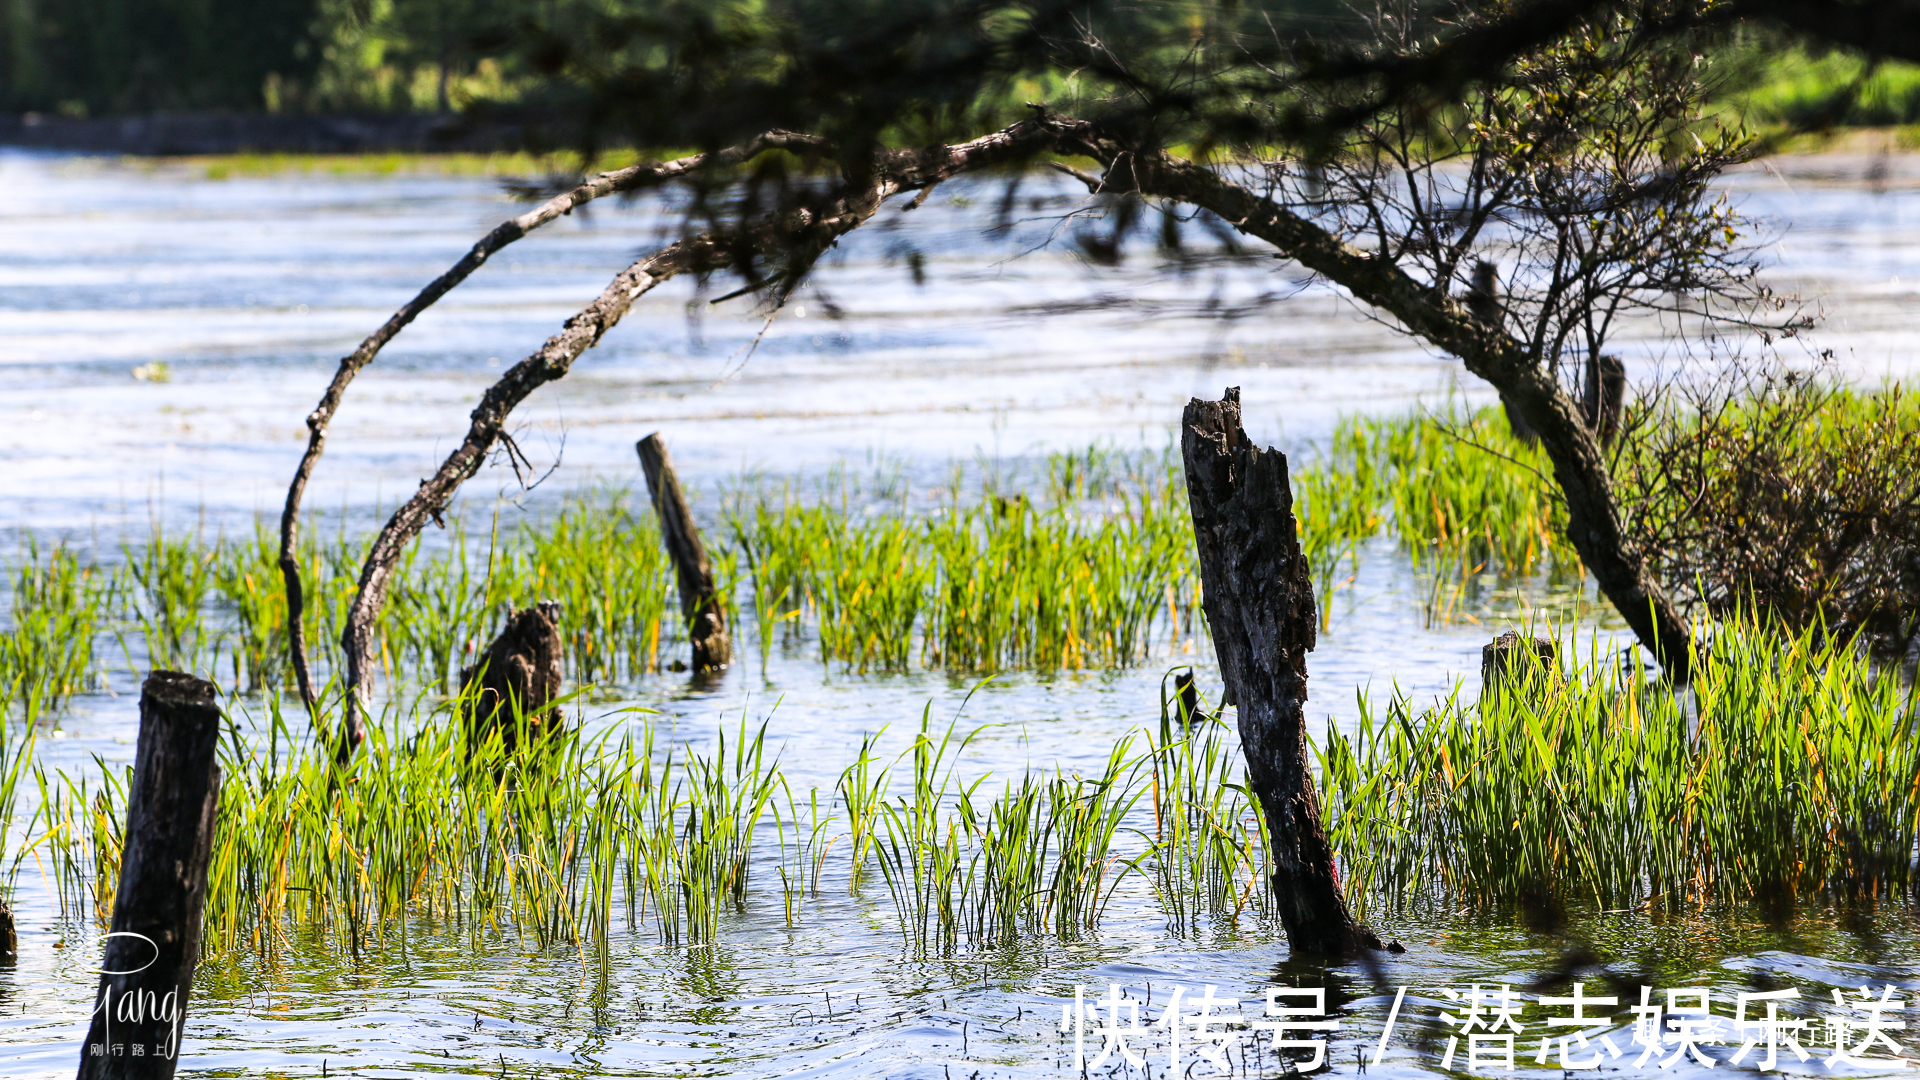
<point x="825" y="999"/>
<point x="249" y="290"/>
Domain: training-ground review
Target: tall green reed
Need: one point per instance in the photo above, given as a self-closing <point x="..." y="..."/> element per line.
<point x="1042" y="858"/>
<point x="1460" y="494"/>
<point x="992" y="583"/>
<point x="247" y="581"/>
<point x="1786" y="771"/>
<point x="1210" y="860"/>
<point x="171" y="582"/>
<point x="58" y="608"/>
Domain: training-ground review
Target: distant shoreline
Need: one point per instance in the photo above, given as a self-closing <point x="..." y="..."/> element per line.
<point x="193" y="134"/>
<point x="199" y="135"/>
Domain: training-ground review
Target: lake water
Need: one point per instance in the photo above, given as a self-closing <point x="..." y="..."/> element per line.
<point x="249" y="290"/>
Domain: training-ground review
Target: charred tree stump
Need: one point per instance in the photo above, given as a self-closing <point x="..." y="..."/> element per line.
<point x="699" y="603"/>
<point x="155" y="942"/>
<point x="9" y="938"/>
<point x="1259" y="602"/>
<point x="512" y="682"/>
<point x="1605" y="396"/>
<point x="1511" y="659"/>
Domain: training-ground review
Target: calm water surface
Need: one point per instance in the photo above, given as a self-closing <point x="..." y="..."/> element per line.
<point x="249" y="290"/>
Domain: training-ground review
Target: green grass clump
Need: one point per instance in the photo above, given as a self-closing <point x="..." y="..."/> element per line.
<point x="247" y="581"/>
<point x="1452" y="488"/>
<point x="1789" y="770"/>
<point x="58" y="606"/>
<point x="994" y="584"/>
<point x="1465" y="500"/>
<point x="1025" y="587"/>
<point x="1209" y="860"/>
<point x="1038" y="859"/>
<point x="171" y="579"/>
<point x="600" y="559"/>
<point x="869" y="583"/>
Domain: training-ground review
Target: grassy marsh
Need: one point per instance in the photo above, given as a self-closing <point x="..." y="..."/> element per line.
<point x="1786" y="771"/>
<point x="1087" y="564"/>
<point x="598" y="833"/>
<point x="1786" y="774"/>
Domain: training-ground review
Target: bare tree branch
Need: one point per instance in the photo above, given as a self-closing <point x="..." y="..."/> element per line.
<point x="633" y="178"/>
<point x="486" y="426"/>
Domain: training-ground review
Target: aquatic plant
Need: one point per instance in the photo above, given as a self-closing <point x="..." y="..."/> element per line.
<point x="58" y="607"/>
<point x="602" y="562"/>
<point x="246" y="580"/>
<point x="561" y="842"/>
<point x="1787" y="770"/>
<point x="1039" y="859"/>
<point x="991" y="584"/>
<point x="171" y="579"/>
<point x="1210" y="858"/>
<point x="1786" y="773"/>
<point x="994" y="584"/>
<point x="1455" y="489"/>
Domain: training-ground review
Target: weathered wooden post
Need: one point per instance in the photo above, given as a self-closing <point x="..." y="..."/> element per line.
<point x="1258" y="596"/>
<point x="1484" y="303"/>
<point x="1605" y="396"/>
<point x="155" y="942"/>
<point x="699" y="603"/>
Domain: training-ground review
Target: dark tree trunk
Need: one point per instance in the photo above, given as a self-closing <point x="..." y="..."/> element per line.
<point x="516" y="677"/>
<point x="155" y="942"/>
<point x="699" y="603"/>
<point x="1259" y="603"/>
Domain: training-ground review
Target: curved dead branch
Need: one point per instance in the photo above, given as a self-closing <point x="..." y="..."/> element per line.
<point x="487" y="423"/>
<point x="630" y="179"/>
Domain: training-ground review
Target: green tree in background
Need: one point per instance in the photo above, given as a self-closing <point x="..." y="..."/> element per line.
<point x="119" y="57"/>
<point x="94" y="57"/>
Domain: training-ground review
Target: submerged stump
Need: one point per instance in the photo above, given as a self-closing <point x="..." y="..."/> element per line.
<point x="511" y="684"/>
<point x="1510" y="660"/>
<point x="151" y="952"/>
<point x="1258" y="596"/>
